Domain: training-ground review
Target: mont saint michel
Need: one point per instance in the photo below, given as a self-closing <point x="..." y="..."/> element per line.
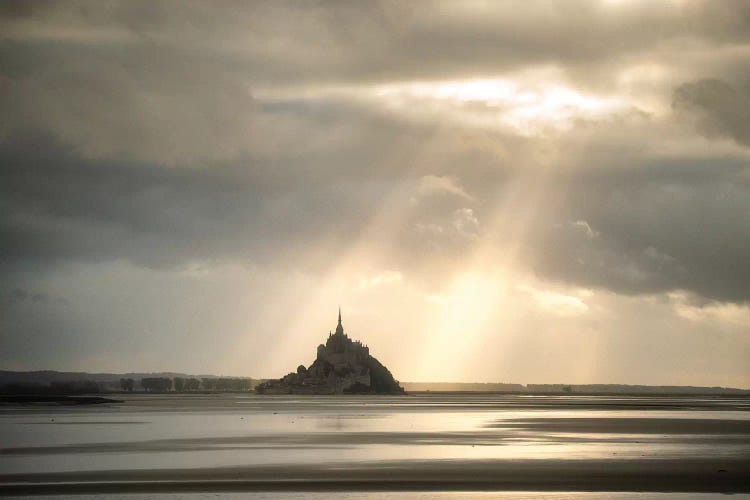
<point x="342" y="366"/>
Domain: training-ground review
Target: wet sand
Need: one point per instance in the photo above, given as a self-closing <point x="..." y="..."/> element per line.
<point x="418" y="443"/>
<point x="698" y="475"/>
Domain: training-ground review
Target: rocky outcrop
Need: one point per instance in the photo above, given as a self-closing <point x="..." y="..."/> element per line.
<point x="342" y="366"/>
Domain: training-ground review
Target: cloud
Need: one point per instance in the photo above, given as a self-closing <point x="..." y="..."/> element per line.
<point x="59" y="206"/>
<point x="465" y="222"/>
<point x="659" y="228"/>
<point x="383" y="278"/>
<point x="22" y="295"/>
<point x="686" y="307"/>
<point x="721" y="109"/>
<point x="167" y="112"/>
<point x="590" y="233"/>
<point x="259" y="150"/>
<point x="448" y="234"/>
<point x="435" y="185"/>
<point x="556" y="303"/>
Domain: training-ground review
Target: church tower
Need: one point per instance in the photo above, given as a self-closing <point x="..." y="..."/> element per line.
<point x="339" y="327"/>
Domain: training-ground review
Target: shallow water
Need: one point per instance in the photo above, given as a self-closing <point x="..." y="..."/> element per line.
<point x="205" y="432"/>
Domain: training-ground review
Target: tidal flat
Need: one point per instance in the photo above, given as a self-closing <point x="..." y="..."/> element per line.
<point x="420" y="445"/>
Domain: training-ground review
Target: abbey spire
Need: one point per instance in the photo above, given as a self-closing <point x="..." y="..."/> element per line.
<point x="339" y="327"/>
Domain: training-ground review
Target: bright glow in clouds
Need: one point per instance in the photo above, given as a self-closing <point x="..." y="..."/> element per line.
<point x="556" y="303"/>
<point x="526" y="108"/>
<point x="383" y="278"/>
<point x="727" y="313"/>
<point x="522" y="105"/>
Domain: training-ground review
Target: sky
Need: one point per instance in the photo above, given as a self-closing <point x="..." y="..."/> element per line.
<point x="529" y="192"/>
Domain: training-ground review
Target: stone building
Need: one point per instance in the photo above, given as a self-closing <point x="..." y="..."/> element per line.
<point x="342" y="365"/>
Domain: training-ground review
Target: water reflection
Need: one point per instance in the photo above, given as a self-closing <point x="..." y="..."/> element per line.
<point x="206" y="431"/>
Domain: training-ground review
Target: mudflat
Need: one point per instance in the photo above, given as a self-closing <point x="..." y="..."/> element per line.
<point x="423" y="442"/>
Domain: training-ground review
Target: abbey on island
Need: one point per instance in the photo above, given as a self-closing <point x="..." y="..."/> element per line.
<point x="341" y="366"/>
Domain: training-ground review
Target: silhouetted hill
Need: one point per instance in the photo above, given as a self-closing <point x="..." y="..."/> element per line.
<point x="342" y="366"/>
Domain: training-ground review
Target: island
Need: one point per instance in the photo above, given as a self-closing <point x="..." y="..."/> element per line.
<point x="342" y="366"/>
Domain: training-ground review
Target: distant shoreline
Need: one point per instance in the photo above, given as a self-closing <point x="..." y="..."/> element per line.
<point x="51" y="383"/>
<point x="744" y="394"/>
<point x="61" y="400"/>
<point x="580" y="389"/>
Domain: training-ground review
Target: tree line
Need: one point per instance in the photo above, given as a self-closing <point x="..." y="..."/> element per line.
<point x="188" y="384"/>
<point x="147" y="384"/>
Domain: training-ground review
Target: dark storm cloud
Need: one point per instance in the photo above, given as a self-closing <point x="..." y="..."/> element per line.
<point x="634" y="224"/>
<point x="358" y="41"/>
<point x="322" y="175"/>
<point x="59" y="206"/>
<point x="653" y="228"/>
<point x="23" y="295"/>
<point x="150" y="106"/>
<point x="20" y="9"/>
<point x="721" y="109"/>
